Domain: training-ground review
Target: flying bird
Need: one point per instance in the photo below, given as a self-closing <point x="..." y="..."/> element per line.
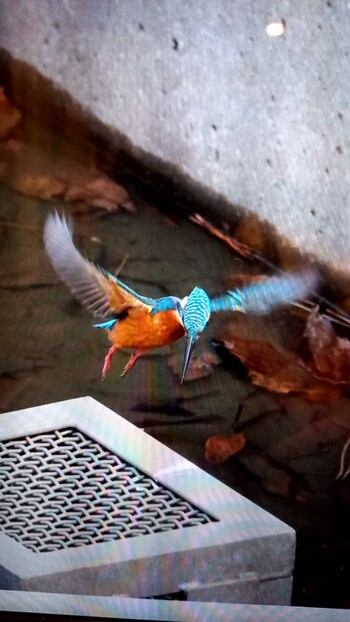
<point x="258" y="298"/>
<point x="143" y="324"/>
<point x="132" y="321"/>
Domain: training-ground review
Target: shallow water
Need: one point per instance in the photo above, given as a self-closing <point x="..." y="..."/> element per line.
<point x="50" y="352"/>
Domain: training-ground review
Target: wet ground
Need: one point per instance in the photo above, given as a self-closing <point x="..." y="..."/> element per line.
<point x="50" y="352"/>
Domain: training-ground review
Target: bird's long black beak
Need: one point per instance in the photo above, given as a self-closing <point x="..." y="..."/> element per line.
<point x="189" y="347"/>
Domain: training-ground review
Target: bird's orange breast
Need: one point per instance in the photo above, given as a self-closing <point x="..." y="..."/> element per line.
<point x="142" y="331"/>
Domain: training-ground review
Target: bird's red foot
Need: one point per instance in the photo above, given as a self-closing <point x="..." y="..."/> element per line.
<point x="131" y="362"/>
<point x="108" y="360"/>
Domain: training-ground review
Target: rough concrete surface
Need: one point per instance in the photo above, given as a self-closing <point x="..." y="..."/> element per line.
<point x="262" y="121"/>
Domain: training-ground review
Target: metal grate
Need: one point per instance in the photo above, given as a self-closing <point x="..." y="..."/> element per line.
<point x="62" y="489"/>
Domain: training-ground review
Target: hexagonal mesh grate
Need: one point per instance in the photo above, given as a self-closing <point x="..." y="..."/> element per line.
<point x="63" y="489"/>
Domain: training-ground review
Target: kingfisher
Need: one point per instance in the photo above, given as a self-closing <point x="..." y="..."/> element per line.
<point x="143" y="324"/>
<point x="259" y="298"/>
<point x="132" y="321"/>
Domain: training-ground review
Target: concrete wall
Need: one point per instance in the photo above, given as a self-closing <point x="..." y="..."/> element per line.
<point x="262" y="121"/>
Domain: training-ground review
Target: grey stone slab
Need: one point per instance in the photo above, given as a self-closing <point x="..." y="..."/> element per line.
<point x="241" y="539"/>
<point x="261" y="121"/>
<point x="141" y="609"/>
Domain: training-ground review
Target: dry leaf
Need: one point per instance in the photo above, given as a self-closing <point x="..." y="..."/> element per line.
<point x="66" y="180"/>
<point x="250" y="233"/>
<point x="100" y="191"/>
<point x="49" y="175"/>
<point x="345" y="304"/>
<point x="219" y="448"/>
<point x="330" y="353"/>
<point x="9" y="115"/>
<point x="279" y="370"/>
<point x="200" y="365"/>
<point x="39" y="186"/>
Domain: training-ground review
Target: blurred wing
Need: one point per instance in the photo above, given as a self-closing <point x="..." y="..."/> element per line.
<point x="263" y="296"/>
<point x="98" y="290"/>
<point x="231" y="301"/>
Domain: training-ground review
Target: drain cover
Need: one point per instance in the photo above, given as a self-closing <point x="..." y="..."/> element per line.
<point x="62" y="489"/>
<point x="91" y="504"/>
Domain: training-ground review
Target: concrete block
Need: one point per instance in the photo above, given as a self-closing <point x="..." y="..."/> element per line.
<point x="90" y="504"/>
<point x="114" y="607"/>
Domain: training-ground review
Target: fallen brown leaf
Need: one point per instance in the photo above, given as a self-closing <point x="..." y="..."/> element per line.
<point x="200" y="366"/>
<point x="219" y="448"/>
<point x="39" y="186"/>
<point x="250" y="233"/>
<point x="345" y="304"/>
<point x="66" y="180"/>
<point x="9" y="115"/>
<point x="46" y="174"/>
<point x="279" y="370"/>
<point x="100" y="191"/>
<point x="330" y="353"/>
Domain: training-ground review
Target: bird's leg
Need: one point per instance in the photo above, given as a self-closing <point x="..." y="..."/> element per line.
<point x="108" y="359"/>
<point x="135" y="355"/>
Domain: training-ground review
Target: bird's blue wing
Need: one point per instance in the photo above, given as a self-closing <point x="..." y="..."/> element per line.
<point x="230" y="301"/>
<point x="265" y="295"/>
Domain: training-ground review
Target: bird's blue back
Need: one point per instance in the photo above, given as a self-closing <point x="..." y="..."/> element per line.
<point x="196" y="312"/>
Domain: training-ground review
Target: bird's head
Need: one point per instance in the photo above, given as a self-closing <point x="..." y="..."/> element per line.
<point x="196" y="314"/>
<point x="167" y="303"/>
